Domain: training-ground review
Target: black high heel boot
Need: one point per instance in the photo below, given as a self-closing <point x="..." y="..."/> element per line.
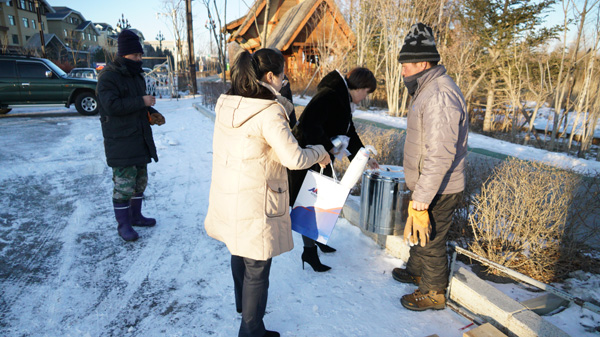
<point x="325" y="248"/>
<point x="312" y="258"/>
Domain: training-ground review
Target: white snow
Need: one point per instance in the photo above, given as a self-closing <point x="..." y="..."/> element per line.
<point x="65" y="272"/>
<point x="487" y="143"/>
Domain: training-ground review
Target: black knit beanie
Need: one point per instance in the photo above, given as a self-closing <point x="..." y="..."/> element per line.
<point x="128" y="43"/>
<point x="419" y="45"/>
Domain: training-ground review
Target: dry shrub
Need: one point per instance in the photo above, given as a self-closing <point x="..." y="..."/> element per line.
<point x="300" y="79"/>
<point x="519" y="218"/>
<point x="389" y="144"/>
<point x="211" y="91"/>
<point x="584" y="214"/>
<point x="477" y="171"/>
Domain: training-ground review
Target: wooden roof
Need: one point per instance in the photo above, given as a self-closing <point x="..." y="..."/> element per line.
<point x="287" y="20"/>
<point x="295" y="20"/>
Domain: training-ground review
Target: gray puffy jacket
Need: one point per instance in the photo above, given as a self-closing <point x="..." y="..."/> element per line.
<point x="436" y="137"/>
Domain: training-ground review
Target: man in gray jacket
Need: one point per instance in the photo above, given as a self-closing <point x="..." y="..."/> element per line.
<point x="434" y="160"/>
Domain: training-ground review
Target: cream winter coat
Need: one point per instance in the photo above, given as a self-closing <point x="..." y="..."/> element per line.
<point x="249" y="200"/>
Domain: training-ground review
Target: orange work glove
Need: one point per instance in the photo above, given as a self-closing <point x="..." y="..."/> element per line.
<point x="156" y="118"/>
<point x="408" y="229"/>
<point x="421" y="226"/>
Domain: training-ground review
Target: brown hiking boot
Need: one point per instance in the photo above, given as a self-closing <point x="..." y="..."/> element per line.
<point x="418" y="301"/>
<point x="401" y="275"/>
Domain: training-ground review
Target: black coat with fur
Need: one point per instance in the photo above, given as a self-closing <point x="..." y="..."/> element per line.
<point x="328" y="114"/>
<point x="126" y="129"/>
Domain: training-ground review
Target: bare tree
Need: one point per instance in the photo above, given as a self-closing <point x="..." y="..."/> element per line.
<point x="568" y="63"/>
<point x="174" y="11"/>
<point x="540" y="89"/>
<point x="216" y="27"/>
<point x="587" y="95"/>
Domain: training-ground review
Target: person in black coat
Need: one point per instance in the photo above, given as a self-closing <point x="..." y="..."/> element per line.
<point x="126" y="114"/>
<point x="328" y="115"/>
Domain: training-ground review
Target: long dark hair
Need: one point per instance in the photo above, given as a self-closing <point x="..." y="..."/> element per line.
<point x="248" y="69"/>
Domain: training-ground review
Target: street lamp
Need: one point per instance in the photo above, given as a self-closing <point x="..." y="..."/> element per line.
<point x="160" y="37"/>
<point x="123" y="23"/>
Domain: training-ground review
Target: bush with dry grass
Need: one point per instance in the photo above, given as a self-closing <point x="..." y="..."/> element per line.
<point x="389" y="144"/>
<point x="477" y="171"/>
<point x="519" y="219"/>
<point x="211" y="91"/>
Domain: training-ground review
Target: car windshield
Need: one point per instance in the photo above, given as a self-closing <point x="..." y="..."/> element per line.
<point x="56" y="69"/>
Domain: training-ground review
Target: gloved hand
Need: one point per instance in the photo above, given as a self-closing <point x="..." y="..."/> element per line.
<point x="421" y="226"/>
<point x="408" y="229"/>
<point x="157" y="118"/>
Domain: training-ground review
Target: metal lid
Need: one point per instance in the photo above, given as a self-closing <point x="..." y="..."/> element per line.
<point x="386" y="172"/>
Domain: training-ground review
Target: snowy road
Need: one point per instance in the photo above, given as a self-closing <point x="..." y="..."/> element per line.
<point x="64" y="271"/>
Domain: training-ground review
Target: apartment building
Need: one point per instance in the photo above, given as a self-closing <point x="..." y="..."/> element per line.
<point x="73" y="29"/>
<point x="19" y="22"/>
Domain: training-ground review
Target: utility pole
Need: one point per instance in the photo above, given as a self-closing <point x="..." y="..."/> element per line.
<point x="38" y="9"/>
<point x="190" y="36"/>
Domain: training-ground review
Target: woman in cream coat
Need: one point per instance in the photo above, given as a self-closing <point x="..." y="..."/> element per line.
<point x="249" y="199"/>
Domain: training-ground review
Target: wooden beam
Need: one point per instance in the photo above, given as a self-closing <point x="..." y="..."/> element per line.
<point x="256" y="14"/>
<point x="303" y="23"/>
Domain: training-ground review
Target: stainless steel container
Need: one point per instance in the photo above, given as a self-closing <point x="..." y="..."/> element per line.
<point x="384" y="200"/>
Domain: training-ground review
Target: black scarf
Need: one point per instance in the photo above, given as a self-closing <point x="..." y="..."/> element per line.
<point x="411" y="83"/>
<point x="134" y="67"/>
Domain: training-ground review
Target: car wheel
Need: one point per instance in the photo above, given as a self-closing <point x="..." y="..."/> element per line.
<point x="86" y="104"/>
<point x="4" y="111"/>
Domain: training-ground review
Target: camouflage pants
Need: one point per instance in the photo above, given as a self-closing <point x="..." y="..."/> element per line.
<point x="128" y="181"/>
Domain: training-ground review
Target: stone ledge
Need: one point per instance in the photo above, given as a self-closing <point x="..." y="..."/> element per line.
<point x="204" y="111"/>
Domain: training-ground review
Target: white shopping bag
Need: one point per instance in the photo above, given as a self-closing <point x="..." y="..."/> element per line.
<point x="318" y="206"/>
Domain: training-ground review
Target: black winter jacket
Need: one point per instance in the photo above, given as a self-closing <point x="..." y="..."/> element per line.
<point x="126" y="129"/>
<point x="328" y="114"/>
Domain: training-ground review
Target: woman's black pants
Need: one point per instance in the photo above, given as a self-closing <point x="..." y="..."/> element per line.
<point x="251" y="284"/>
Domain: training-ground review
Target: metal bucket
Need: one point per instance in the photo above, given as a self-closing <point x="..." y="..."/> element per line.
<point x="384" y="200"/>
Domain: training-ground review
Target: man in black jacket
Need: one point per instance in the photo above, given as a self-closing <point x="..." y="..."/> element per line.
<point x="126" y="114"/>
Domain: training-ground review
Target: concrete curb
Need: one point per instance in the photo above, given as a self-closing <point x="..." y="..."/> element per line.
<point x="204" y="111"/>
<point x="468" y="290"/>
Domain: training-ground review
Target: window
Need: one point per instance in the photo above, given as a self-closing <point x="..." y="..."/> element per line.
<point x="11" y="19"/>
<point x="89" y="36"/>
<point x="25" y="23"/>
<point x="82" y="35"/>
<point x="95" y="38"/>
<point x="15" y="39"/>
<point x="7" y="69"/>
<point x="22" y="2"/>
<point x="32" y="70"/>
<point x="42" y="25"/>
<point x="9" y="3"/>
<point x="65" y="32"/>
<point x="30" y="6"/>
<point x="33" y="24"/>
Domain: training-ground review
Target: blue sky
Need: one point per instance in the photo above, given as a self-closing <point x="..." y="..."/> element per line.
<point x="142" y="15"/>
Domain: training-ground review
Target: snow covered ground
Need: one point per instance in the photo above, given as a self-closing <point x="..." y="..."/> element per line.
<point x="65" y="272"/>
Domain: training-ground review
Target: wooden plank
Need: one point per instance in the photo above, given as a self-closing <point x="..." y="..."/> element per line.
<point x="485" y="330"/>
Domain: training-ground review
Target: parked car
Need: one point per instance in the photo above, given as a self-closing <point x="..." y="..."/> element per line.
<point x="28" y="80"/>
<point x="84" y="73"/>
